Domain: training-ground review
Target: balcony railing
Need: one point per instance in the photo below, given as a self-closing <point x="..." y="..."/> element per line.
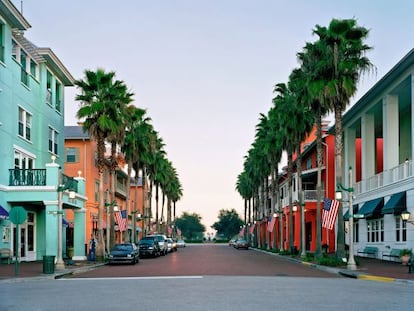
<point x="386" y="177"/>
<point x="70" y="183"/>
<point x="27" y="177"/>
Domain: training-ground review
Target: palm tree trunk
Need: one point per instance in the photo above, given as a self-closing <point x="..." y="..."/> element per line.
<point x="318" y="249"/>
<point x="340" y="251"/>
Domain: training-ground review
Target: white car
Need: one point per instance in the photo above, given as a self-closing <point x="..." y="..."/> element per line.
<point x="180" y="243"/>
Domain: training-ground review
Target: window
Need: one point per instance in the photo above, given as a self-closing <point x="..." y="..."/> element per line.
<point x="15" y="49"/>
<point x="400" y="229"/>
<point x="356" y="231"/>
<point x="309" y="164"/>
<point x="375" y="230"/>
<point x="25" y="124"/>
<point x="72" y="154"/>
<point x="2" y="42"/>
<point x="48" y="88"/>
<point x="24" y="78"/>
<point x="53" y="141"/>
<point x="22" y="160"/>
<point x="58" y="92"/>
<point x="33" y="69"/>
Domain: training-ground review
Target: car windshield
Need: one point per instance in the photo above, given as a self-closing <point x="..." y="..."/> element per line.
<point x="122" y="247"/>
<point x="146" y="242"/>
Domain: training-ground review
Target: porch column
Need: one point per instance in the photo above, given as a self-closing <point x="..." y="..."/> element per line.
<point x="391" y="126"/>
<point x="79" y="234"/>
<point x="51" y="228"/>
<point x="350" y="153"/>
<point x="79" y="228"/>
<point x="368" y="148"/>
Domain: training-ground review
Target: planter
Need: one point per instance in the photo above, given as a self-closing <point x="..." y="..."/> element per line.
<point x="70" y="252"/>
<point x="405" y="259"/>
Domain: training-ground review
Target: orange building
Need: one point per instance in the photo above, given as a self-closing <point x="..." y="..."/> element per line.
<point x="80" y="159"/>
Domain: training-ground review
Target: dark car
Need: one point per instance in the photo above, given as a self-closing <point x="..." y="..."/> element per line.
<point x="162" y="241"/>
<point x="124" y="253"/>
<point x="241" y="244"/>
<point x="148" y="248"/>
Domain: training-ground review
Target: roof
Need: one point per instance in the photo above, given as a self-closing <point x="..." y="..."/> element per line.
<point x="75" y="132"/>
<point x="399" y="69"/>
<point x="12" y="16"/>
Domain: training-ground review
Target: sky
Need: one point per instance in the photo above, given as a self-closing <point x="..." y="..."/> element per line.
<point x="205" y="69"/>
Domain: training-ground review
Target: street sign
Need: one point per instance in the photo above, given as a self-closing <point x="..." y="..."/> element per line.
<point x="358" y="215"/>
<point x="18" y="215"/>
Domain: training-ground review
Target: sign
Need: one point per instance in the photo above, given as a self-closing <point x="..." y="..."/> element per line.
<point x="18" y="215"/>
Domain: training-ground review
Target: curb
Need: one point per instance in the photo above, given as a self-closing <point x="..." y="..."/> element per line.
<point x="342" y="272"/>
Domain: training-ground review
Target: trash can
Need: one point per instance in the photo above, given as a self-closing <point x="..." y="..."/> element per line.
<point x="48" y="264"/>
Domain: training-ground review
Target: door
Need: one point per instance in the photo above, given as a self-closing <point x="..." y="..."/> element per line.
<point x="27" y="239"/>
<point x="308" y="232"/>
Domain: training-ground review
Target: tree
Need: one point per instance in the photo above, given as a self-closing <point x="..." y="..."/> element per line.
<point x="190" y="225"/>
<point x="96" y="98"/>
<point x="229" y="223"/>
<point x="344" y="60"/>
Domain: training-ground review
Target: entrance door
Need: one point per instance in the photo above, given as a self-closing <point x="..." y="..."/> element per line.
<point x="27" y="238"/>
<point x="308" y="231"/>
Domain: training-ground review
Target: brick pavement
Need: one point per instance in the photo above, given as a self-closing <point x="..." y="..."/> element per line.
<point x="367" y="268"/>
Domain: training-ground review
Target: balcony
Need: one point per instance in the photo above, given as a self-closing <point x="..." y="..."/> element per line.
<point x="393" y="175"/>
<point x="27" y="177"/>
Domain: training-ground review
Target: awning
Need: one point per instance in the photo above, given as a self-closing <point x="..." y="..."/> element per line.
<point x="355" y="210"/>
<point x="4" y="214"/>
<point x="371" y="208"/>
<point x="396" y="204"/>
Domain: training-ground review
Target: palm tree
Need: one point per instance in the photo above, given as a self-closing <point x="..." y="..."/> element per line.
<point x="344" y="61"/>
<point x="117" y="112"/>
<point x="96" y="99"/>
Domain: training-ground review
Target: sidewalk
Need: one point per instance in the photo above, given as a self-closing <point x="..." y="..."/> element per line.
<point x="34" y="270"/>
<point x="370" y="269"/>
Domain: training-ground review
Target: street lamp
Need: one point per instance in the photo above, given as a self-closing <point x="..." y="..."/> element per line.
<point x="405" y="216"/>
<point x="338" y="195"/>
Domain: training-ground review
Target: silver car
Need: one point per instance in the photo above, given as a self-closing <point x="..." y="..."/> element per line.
<point x="162" y="242"/>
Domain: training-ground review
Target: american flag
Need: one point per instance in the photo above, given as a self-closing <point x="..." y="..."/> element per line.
<point x="169" y="230"/>
<point x="271" y="224"/>
<point x="251" y="229"/>
<point x="241" y="232"/>
<point x="121" y="219"/>
<point x="178" y="232"/>
<point x="329" y="213"/>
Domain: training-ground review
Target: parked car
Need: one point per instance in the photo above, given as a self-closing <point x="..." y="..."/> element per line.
<point x="180" y="243"/>
<point x="124" y="252"/>
<point x="148" y="248"/>
<point x="241" y="243"/>
<point x="232" y="242"/>
<point x="172" y="245"/>
<point x="162" y="241"/>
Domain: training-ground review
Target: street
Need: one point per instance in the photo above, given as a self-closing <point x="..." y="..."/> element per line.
<point x="206" y="277"/>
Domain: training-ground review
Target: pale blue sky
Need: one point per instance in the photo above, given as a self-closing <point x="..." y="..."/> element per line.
<point x="205" y="69"/>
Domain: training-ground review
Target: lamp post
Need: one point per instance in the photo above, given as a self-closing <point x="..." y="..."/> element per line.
<point x="338" y="195"/>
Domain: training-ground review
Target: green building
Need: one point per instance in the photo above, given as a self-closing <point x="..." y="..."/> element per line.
<point x="32" y="83"/>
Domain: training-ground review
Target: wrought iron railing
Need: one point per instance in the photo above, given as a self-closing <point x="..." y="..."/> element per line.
<point x="27" y="177"/>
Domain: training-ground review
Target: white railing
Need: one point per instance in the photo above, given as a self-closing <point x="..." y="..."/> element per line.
<point x="395" y="174"/>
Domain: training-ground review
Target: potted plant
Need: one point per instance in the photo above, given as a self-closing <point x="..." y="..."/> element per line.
<point x="405" y="255"/>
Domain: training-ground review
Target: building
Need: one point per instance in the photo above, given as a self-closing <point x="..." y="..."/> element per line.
<point x="80" y="158"/>
<point x="32" y="83"/>
<point x="378" y="146"/>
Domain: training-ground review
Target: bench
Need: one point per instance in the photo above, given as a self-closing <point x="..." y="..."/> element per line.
<point x="5" y="253"/>
<point x="393" y="254"/>
<point x="369" y="251"/>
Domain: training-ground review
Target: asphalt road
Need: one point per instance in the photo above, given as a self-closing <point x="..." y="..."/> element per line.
<point x="210" y="259"/>
<point x="204" y="278"/>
